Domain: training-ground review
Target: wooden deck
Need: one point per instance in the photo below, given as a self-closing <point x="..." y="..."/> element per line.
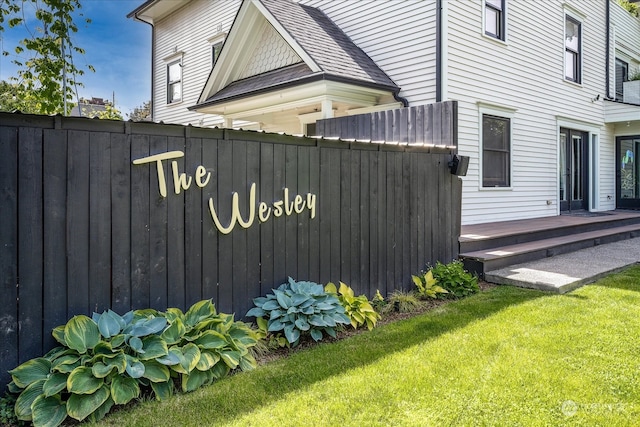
<point x="486" y="247"/>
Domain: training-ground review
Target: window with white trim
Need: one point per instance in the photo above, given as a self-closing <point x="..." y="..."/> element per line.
<point x="174" y="81"/>
<point x="573" y="50"/>
<point x="215" y="52"/>
<point x="495" y="18"/>
<point x="496" y="151"/>
<point x="622" y="75"/>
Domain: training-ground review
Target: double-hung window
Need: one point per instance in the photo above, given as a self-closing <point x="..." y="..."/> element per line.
<point x="573" y="50"/>
<point x="622" y="75"/>
<point x="495" y="18"/>
<point x="496" y="151"/>
<point x="174" y="81"/>
<point x="215" y="52"/>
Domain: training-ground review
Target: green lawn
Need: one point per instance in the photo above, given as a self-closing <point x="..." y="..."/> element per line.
<point x="507" y="356"/>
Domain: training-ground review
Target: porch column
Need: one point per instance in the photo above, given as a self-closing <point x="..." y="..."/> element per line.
<point x="327" y="109"/>
<point x="228" y="122"/>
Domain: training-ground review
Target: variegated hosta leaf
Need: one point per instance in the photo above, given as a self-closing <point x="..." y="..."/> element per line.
<point x="31" y="371"/>
<point x="109" y="324"/>
<point x="25" y="400"/>
<point x="48" y="411"/>
<point x="174" y="333"/>
<point x="153" y="347"/>
<point x="82" y="381"/>
<point x="207" y="360"/>
<point x="58" y="334"/>
<point x="193" y="380"/>
<point x="54" y="384"/>
<point x="102" y="410"/>
<point x="124" y="389"/>
<point x="231" y="358"/>
<point x="199" y="312"/>
<point x="211" y="340"/>
<point x="173" y="357"/>
<point x="163" y="390"/>
<point x="155" y="372"/>
<point x="80" y="406"/>
<point x="81" y="333"/>
<point x="191" y="354"/>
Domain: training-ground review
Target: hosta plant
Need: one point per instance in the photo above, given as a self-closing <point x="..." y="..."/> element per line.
<point x="455" y="279"/>
<point x="108" y="359"/>
<point x="298" y="308"/>
<point x="357" y="308"/>
<point x="427" y="286"/>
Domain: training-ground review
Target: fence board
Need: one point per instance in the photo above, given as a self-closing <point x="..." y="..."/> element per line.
<point x="140" y="238"/>
<point x="203" y="233"/>
<point x="121" y="223"/>
<point x="54" y="179"/>
<point x="8" y="250"/>
<point x="225" y="242"/>
<point x="175" y="262"/>
<point x="240" y="184"/>
<point x="266" y="229"/>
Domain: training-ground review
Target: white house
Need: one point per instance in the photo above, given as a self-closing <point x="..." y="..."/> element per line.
<point x="544" y="111"/>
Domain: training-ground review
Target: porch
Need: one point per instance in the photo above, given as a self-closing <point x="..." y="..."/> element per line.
<point x="488" y="247"/>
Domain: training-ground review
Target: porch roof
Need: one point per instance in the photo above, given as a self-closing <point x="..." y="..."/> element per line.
<point x="617" y="112"/>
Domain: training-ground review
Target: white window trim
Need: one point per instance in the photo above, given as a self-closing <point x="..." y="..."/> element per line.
<point x="498" y="111"/>
<point x="175" y="57"/>
<point x="579" y="17"/>
<point x="506" y="25"/>
<point x="218" y="38"/>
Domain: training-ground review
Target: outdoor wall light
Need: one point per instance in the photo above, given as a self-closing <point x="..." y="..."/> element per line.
<point x="459" y="165"/>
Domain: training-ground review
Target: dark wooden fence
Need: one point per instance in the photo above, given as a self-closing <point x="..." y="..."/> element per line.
<point x="84" y="229"/>
<point x="429" y="124"/>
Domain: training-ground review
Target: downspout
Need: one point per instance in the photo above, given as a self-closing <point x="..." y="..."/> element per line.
<point x="438" y="50"/>
<point x="153" y="63"/>
<point x="608" y="50"/>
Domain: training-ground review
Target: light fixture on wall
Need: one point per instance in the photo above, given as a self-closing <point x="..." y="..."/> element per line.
<point x="596" y="98"/>
<point x="459" y="165"/>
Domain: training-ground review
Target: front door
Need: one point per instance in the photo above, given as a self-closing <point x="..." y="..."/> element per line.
<point x="627" y="172"/>
<point x="574" y="174"/>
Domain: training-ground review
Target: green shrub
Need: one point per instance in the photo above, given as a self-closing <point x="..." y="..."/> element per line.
<point x="455" y="279"/>
<point x="427" y="286"/>
<point x="357" y="308"/>
<point x="402" y="302"/>
<point x="297" y="308"/>
<point x="7" y="411"/>
<point x="272" y="339"/>
<point x="106" y="360"/>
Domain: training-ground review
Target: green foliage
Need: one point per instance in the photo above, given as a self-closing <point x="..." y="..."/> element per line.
<point x="110" y="359"/>
<point x="427" y="286"/>
<point x="298" y="308"/>
<point x="455" y="279"/>
<point x="635" y="75"/>
<point x="7" y="412"/>
<point x="109" y="113"/>
<point x="402" y="302"/>
<point x="141" y="113"/>
<point x="47" y="54"/>
<point x="357" y="308"/>
<point x="273" y="339"/>
<point x="632" y="8"/>
<point x="378" y="302"/>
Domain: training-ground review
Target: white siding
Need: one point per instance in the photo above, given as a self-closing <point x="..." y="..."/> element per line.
<point x="399" y="36"/>
<point x="188" y="30"/>
<point x="526" y="73"/>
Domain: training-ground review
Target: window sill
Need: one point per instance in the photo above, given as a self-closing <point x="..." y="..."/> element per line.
<point x="572" y="83"/>
<point x="480" y="188"/>
<point x="169" y="104"/>
<point x="495" y="40"/>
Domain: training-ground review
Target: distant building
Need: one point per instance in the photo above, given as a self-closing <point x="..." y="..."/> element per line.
<point x="90" y="107"/>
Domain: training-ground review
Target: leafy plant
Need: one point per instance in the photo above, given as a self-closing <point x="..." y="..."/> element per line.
<point x="357" y="308"/>
<point x="635" y="75"/>
<point x="427" y="286"/>
<point x="273" y="339"/>
<point x="378" y="302"/>
<point x="402" y="302"/>
<point x="455" y="279"/>
<point x="7" y="412"/>
<point x="297" y="308"/>
<point x="106" y="360"/>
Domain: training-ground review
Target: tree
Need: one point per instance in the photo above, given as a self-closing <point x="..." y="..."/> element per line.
<point x="15" y="97"/>
<point x="631" y="7"/>
<point x="141" y="113"/>
<point x="48" y="74"/>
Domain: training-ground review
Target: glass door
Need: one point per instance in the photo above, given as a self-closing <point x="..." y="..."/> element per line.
<point x="627" y="176"/>
<point x="573" y="157"/>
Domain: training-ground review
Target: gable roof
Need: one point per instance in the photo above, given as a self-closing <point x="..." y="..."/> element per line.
<point x="319" y="50"/>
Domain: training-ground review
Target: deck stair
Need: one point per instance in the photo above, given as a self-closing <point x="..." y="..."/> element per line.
<point x="488" y="247"/>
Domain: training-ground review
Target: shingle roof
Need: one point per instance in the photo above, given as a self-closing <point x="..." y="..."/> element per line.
<point x="333" y="51"/>
<point x="337" y="56"/>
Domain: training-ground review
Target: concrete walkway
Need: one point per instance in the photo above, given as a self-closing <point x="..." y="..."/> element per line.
<point x="566" y="272"/>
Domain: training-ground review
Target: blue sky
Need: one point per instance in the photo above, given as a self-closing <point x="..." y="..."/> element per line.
<point x="118" y="48"/>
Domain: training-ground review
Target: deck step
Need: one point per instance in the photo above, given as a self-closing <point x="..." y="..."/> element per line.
<point x="489" y="259"/>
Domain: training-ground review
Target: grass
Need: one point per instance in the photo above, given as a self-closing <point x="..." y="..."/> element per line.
<point x="507" y="356"/>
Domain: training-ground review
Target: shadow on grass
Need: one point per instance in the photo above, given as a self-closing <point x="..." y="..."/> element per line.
<point x="240" y="394"/>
